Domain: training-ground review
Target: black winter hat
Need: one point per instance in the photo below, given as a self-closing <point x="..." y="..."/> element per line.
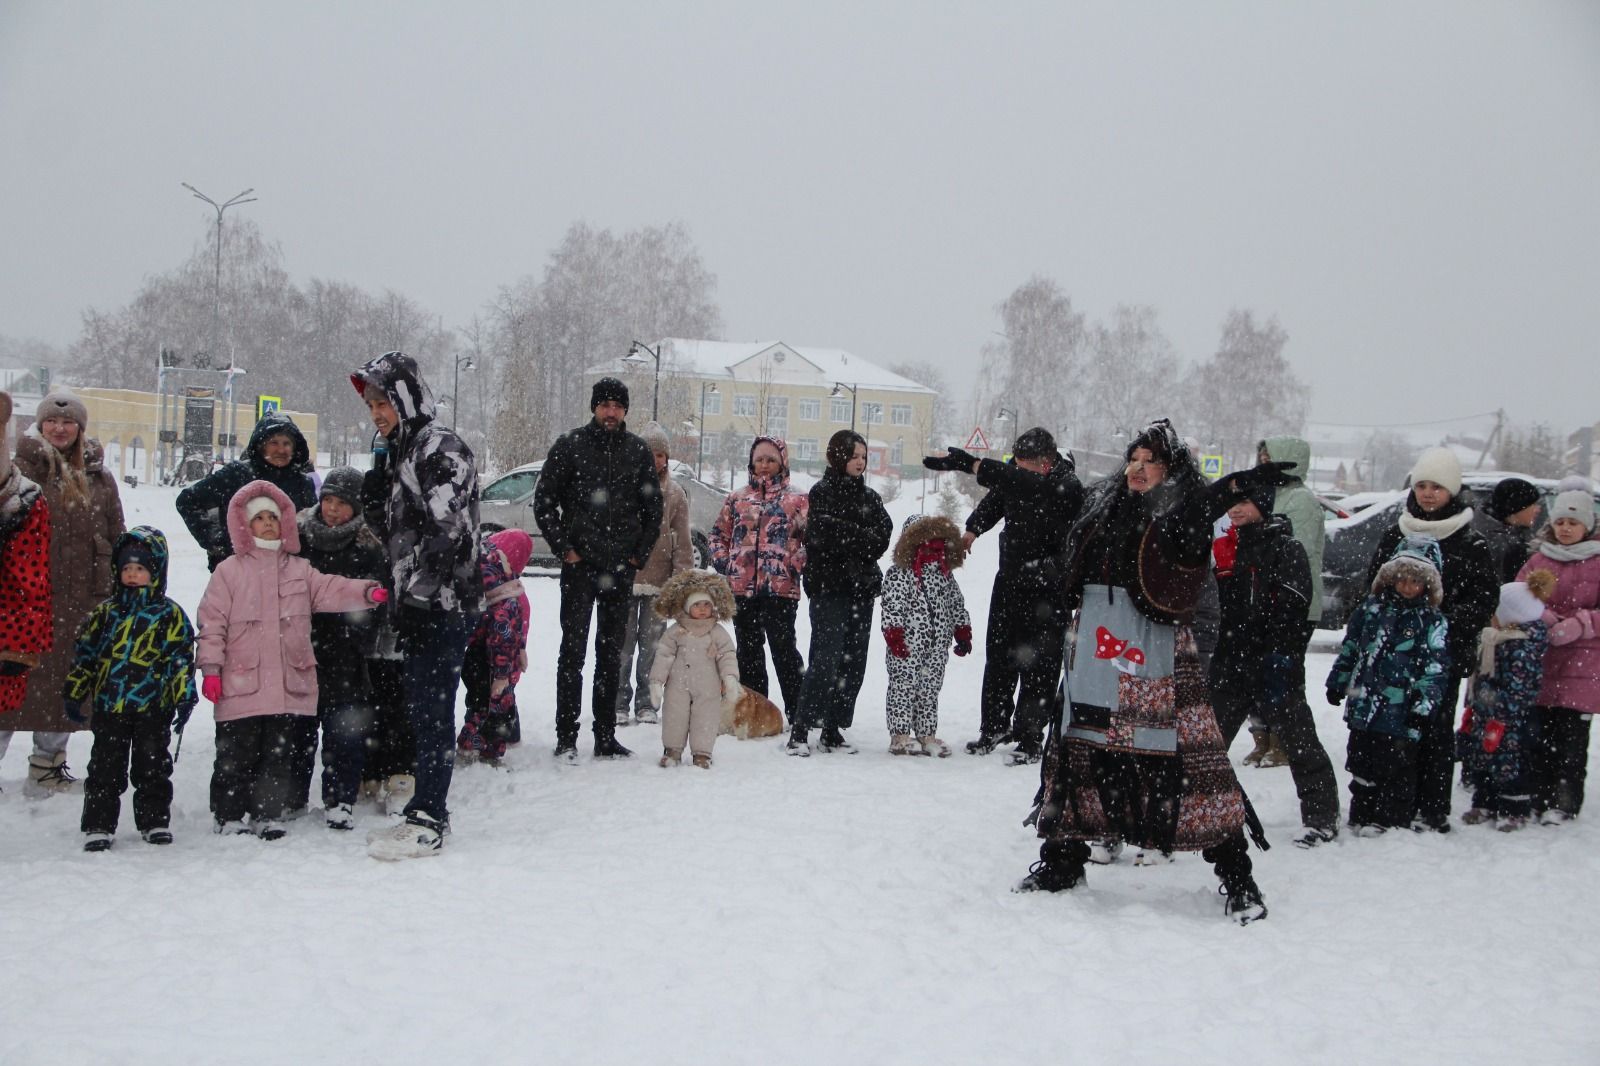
<point x="136" y="552"/>
<point x="343" y="482"/>
<point x="608" y="389"/>
<point x="1036" y="443"/>
<point x="1510" y="496"/>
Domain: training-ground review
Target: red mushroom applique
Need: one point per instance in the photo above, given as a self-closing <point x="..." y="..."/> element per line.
<point x="1107" y="646"/>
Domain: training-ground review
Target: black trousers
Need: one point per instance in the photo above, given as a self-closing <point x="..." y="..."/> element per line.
<point x="1383" y="779"/>
<point x="254" y="770"/>
<point x="763" y="621"/>
<point x="841" y="636"/>
<point x="128" y="745"/>
<point x="392" y="748"/>
<point x="1024" y="643"/>
<point x="604" y="595"/>
<point x="1560" y="760"/>
<point x="1436" y="756"/>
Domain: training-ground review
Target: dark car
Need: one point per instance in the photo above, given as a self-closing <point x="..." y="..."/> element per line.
<point x="507" y="503"/>
<point x="1351" y="541"/>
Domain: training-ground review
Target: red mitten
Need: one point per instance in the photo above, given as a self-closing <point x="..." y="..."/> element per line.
<point x="895" y="637"/>
<point x="211" y="687"/>
<point x="1224" y="550"/>
<point x="1466" y="721"/>
<point x="963" y="636"/>
<point x="1494" y="730"/>
<point x="378" y="594"/>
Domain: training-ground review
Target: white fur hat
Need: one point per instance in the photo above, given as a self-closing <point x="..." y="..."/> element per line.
<point x="1440" y="466"/>
<point x="1518" y="605"/>
<point x="259" y="504"/>
<point x="1577" y="505"/>
<point x="694" y="598"/>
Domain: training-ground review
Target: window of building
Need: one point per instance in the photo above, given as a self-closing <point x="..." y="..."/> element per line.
<point x="897" y="453"/>
<point x="810" y="410"/>
<point x="709" y="443"/>
<point x="744" y="405"/>
<point x="778" y="416"/>
<point x="806" y="447"/>
<point x="900" y="414"/>
<point x="713" y="402"/>
<point x="839" y="410"/>
<point x="872" y="413"/>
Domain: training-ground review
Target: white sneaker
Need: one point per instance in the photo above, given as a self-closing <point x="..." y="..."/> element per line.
<point x="648" y="716"/>
<point x="622" y="718"/>
<point x="902" y="744"/>
<point x="341" y="816"/>
<point x="415" y="838"/>
<point x="400" y="788"/>
<point x="1554" y="817"/>
<point x="1103" y="854"/>
<point x="235" y="828"/>
<point x="96" y="841"/>
<point x="271" y="830"/>
<point x="1152" y="858"/>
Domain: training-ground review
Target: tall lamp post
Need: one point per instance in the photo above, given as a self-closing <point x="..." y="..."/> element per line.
<point x="634" y="358"/>
<point x="700" y="441"/>
<point x="1005" y="414"/>
<point x="838" y="390"/>
<point x="216" y="285"/>
<point x="463" y="362"/>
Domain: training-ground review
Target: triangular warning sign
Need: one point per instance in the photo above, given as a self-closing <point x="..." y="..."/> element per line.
<point x="977" y="442"/>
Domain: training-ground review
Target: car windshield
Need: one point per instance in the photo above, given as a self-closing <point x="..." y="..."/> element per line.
<point x="513" y="486"/>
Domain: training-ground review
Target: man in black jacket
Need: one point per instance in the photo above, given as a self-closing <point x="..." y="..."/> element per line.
<point x="1039" y="497"/>
<point x="277" y="452"/>
<point x="598" y="503"/>
<point x="1264" y="589"/>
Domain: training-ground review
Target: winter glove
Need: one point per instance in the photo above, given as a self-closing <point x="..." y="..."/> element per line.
<point x="963" y="640"/>
<point x="953" y="459"/>
<point x="1494" y="731"/>
<point x="1335" y="696"/>
<point x="658" y="693"/>
<point x="74" y="709"/>
<point x="1276" y="670"/>
<point x="375" y="484"/>
<point x="1466" y="720"/>
<point x="1566" y="631"/>
<point x="181" y="719"/>
<point x="211" y="687"/>
<point x="895" y="637"/>
<point x="377" y="594"/>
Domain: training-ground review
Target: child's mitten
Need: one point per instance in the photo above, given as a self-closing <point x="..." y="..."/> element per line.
<point x="963" y="640"/>
<point x="731" y="692"/>
<point x="658" y="693"/>
<point x="1494" y="730"/>
<point x="1566" y="631"/>
<point x="74" y="711"/>
<point x="211" y="687"/>
<point x="895" y="637"/>
<point x="1466" y="720"/>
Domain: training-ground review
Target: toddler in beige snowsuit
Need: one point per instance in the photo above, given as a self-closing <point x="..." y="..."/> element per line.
<point x="696" y="668"/>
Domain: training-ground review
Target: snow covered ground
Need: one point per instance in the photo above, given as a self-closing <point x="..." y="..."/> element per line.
<point x="844" y="909"/>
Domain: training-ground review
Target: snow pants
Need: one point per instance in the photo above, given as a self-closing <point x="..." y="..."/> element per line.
<point x="254" y="769"/>
<point x="1025" y="642"/>
<point x="1296" y="731"/>
<point x="639" y="642"/>
<point x="1560" y="760"/>
<point x="346" y="731"/>
<point x="690" y="716"/>
<point x="128" y="745"/>
<point x="841" y="636"/>
<point x="1434" y="770"/>
<point x="1383" y="779"/>
<point x="765" y="620"/>
<point x="489" y="723"/>
<point x="914" y="684"/>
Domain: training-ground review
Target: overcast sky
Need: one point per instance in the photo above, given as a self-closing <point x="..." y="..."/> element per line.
<point x="1413" y="189"/>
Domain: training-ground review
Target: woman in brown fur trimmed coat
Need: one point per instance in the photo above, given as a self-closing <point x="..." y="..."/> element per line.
<point x="923" y="614"/>
<point x="696" y="668"/>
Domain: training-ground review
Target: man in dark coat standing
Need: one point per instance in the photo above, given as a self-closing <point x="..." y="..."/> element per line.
<point x="1039" y="497"/>
<point x="278" y="453"/>
<point x="598" y="503"/>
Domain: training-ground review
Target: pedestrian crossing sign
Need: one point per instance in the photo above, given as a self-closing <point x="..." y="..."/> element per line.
<point x="1211" y="465"/>
<point x="977" y="442"/>
<point x="267" y="405"/>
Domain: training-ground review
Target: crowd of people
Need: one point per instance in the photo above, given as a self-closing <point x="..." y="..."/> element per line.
<point x="1135" y="626"/>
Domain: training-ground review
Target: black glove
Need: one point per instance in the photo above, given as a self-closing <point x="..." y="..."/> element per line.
<point x="1276" y="670"/>
<point x="955" y="459"/>
<point x="182" y="717"/>
<point x="75" y="714"/>
<point x="374" y="489"/>
<point x="12" y="668"/>
<point x="1335" y="696"/>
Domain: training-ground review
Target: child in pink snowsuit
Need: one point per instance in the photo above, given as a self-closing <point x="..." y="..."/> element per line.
<point x="696" y="669"/>
<point x="255" y="652"/>
<point x="497" y="650"/>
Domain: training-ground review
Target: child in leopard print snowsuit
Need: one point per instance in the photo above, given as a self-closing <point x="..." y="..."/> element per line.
<point x="923" y="613"/>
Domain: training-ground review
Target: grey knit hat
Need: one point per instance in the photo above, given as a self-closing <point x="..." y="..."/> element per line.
<point x="343" y="482"/>
<point x="1576" y="505"/>
<point x="655" y="435"/>
<point x="63" y="404"/>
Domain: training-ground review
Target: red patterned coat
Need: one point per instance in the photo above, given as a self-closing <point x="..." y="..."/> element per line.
<point x="25" y="619"/>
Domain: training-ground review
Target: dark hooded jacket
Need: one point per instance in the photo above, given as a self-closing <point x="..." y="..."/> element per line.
<point x="135" y="653"/>
<point x="1263" y="599"/>
<point x="847" y="532"/>
<point x="1038" y="510"/>
<point x="421" y="499"/>
<point x="598" y="496"/>
<point x="343" y="642"/>
<point x="204" y="505"/>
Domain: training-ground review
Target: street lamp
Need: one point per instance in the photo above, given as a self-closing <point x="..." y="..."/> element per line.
<point x="838" y="390"/>
<point x="700" y="441"/>
<point x="463" y="362"/>
<point x="1005" y="414"/>
<point x="635" y="359"/>
<point x="216" y="287"/>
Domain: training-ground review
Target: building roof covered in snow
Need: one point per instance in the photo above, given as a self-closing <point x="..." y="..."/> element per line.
<point x="774" y="361"/>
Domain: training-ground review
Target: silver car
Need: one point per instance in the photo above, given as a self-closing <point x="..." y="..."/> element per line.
<point x="507" y="503"/>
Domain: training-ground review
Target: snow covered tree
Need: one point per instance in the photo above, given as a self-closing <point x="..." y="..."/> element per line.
<point x="1244" y="393"/>
<point x="1130" y="367"/>
<point x="1036" y="368"/>
<point x="1536" y="450"/>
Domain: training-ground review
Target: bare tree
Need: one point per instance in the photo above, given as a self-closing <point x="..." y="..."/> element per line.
<point x="1535" y="450"/>
<point x="1245" y="392"/>
<point x="1130" y="366"/>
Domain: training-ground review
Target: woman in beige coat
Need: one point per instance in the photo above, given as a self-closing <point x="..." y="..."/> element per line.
<point x="696" y="668"/>
<point x="85" y="521"/>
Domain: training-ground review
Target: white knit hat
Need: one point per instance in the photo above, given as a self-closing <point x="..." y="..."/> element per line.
<point x="1577" y="505"/>
<point x="1518" y="606"/>
<point x="694" y="598"/>
<point x="259" y="504"/>
<point x="1440" y="466"/>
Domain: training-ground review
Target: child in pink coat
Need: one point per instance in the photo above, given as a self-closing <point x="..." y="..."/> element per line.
<point x="255" y="652"/>
<point x="497" y="651"/>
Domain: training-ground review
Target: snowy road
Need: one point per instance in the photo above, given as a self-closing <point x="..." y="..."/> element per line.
<point x="842" y="909"/>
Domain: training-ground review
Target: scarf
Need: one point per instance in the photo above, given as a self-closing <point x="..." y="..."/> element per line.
<point x="930" y="551"/>
<point x="1444" y="522"/>
<point x="1570" y="553"/>
<point x="316" y="533"/>
<point x="268" y="545"/>
<point x="1493" y="636"/>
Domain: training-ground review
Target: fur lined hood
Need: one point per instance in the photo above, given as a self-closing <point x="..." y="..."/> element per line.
<point x="918" y="530"/>
<point x="1419" y="557"/>
<point x="678" y="589"/>
<point x="244" y="542"/>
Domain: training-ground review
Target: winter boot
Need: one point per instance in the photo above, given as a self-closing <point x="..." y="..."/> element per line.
<point x="1314" y="835"/>
<point x="268" y="829"/>
<point x="702" y="760"/>
<point x="610" y="748"/>
<point x="400" y="788"/>
<point x="1153" y="858"/>
<point x="235" y="828"/>
<point x="1554" y="817"/>
<point x="986" y="743"/>
<point x="902" y="744"/>
<point x="1512" y="822"/>
<point x="97" y="842"/>
<point x="341" y="816"/>
<point x="1026" y="753"/>
<point x="1104" y="853"/>
<point x="1476" y="816"/>
<point x="799" y="742"/>
<point x="48" y="776"/>
<point x="1243" y="901"/>
<point x="1054" y="872"/>
<point x="567" y="752"/>
<point x="157" y="836"/>
<point x="833" y="742"/>
<point x="1275" y="755"/>
<point x="671" y="757"/>
<point x="935" y="747"/>
<point x="648" y="716"/>
<point x="1263" y="739"/>
<point x="623" y="719"/>
<point x="419" y="836"/>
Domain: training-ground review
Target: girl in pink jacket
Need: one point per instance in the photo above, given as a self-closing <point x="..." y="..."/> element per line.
<point x="255" y="652"/>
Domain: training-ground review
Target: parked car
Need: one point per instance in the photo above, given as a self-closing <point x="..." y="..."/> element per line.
<point x="1351" y="541"/>
<point x="507" y="503"/>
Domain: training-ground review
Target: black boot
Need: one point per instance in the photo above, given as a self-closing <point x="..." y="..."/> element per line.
<point x="833" y="741"/>
<point x="986" y="743"/>
<point x="610" y="748"/>
<point x="1056" y="871"/>
<point x="799" y="742"/>
<point x="1244" y="903"/>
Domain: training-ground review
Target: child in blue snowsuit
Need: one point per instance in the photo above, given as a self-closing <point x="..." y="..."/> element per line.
<point x="1391" y="675"/>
